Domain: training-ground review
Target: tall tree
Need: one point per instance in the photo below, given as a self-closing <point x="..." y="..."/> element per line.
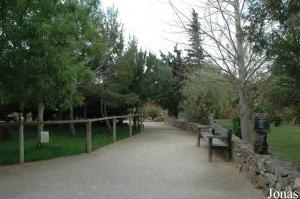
<point x="41" y="47"/>
<point x="275" y="26"/>
<point x="195" y="54"/>
<point x="223" y="27"/>
<point x="179" y="70"/>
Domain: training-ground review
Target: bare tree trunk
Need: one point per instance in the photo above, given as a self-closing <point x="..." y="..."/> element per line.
<point x="245" y="116"/>
<point x="244" y="98"/>
<point x="104" y="114"/>
<point x="41" y="108"/>
<point x="71" y="117"/>
<point x="233" y="53"/>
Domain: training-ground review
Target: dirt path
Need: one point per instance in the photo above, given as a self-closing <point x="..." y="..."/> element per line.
<point x="161" y="163"/>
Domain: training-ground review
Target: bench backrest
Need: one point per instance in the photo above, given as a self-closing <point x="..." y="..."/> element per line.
<point x="219" y="130"/>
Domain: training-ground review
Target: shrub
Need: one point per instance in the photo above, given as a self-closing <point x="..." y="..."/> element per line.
<point x="277" y="120"/>
<point x="236" y="125"/>
<point x="152" y="112"/>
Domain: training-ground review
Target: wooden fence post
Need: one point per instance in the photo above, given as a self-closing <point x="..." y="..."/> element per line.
<point x="134" y="122"/>
<point x="210" y="149"/>
<point x="21" y="143"/>
<point x="142" y="124"/>
<point x="114" y="130"/>
<point x="89" y="137"/>
<point x="130" y="125"/>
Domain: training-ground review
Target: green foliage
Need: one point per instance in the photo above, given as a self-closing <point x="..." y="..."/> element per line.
<point x="206" y="95"/>
<point x="277" y="121"/>
<point x="236" y="125"/>
<point x="274" y="28"/>
<point x="195" y="54"/>
<point x="152" y="112"/>
<point x="282" y="92"/>
<point x="41" y="46"/>
<point x="172" y="99"/>
<point x="57" y="53"/>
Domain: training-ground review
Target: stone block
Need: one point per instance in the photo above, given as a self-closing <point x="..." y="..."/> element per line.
<point x="297" y="183"/>
<point x="257" y="181"/>
<point x="269" y="180"/>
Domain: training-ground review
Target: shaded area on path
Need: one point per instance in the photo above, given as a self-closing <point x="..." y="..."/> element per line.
<point x="161" y="163"/>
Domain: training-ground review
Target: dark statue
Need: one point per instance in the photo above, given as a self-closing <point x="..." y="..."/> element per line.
<point x="261" y="126"/>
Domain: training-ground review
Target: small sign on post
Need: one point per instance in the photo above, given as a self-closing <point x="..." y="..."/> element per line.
<point x="262" y="122"/>
<point x="262" y="127"/>
<point x="44" y="136"/>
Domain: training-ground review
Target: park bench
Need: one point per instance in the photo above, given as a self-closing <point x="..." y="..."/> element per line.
<point x="216" y="136"/>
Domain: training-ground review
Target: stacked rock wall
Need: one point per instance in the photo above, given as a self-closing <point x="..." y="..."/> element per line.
<point x="264" y="171"/>
<point x="188" y="126"/>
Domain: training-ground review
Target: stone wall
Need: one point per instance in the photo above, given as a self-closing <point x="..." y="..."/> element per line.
<point x="188" y="126"/>
<point x="264" y="171"/>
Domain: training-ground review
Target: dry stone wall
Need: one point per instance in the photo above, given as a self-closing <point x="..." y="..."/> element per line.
<point x="264" y="171"/>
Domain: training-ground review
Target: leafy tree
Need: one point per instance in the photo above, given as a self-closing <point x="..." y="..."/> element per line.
<point x="223" y="27"/>
<point x="280" y="35"/>
<point x="206" y="96"/>
<point x="179" y="70"/>
<point x="159" y="85"/>
<point x="41" y="46"/>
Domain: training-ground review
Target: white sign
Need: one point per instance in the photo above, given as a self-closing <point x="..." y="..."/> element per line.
<point x="44" y="136"/>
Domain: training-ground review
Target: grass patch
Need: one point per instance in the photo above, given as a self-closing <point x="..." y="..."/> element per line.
<point x="284" y="141"/>
<point x="61" y="143"/>
<point x="226" y="123"/>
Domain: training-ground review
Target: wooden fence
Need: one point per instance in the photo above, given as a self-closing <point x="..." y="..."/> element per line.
<point x="88" y="123"/>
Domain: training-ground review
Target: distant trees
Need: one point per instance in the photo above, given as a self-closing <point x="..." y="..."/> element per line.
<point x="40" y="47"/>
<point x="179" y="70"/>
<point x="183" y="64"/>
<point x="223" y="28"/>
<point x="204" y="97"/>
<point x="54" y="55"/>
<point x="275" y="27"/>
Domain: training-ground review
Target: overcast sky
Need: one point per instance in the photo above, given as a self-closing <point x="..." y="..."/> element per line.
<point x="151" y="21"/>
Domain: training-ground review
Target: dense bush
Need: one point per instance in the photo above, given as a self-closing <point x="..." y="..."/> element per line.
<point x="277" y="120"/>
<point x="206" y="95"/>
<point x="236" y="120"/>
<point x="152" y="112"/>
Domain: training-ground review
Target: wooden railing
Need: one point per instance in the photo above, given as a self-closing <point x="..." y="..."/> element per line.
<point x="88" y="123"/>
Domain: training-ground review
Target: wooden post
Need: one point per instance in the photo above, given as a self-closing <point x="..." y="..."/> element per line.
<point x="21" y="143"/>
<point x="198" y="138"/>
<point x="89" y="137"/>
<point x="134" y="122"/>
<point x="138" y="122"/>
<point x="130" y="125"/>
<point x="114" y="130"/>
<point x="210" y="149"/>
<point x="142" y="124"/>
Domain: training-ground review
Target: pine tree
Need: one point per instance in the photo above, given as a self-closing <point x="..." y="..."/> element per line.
<point x="195" y="53"/>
